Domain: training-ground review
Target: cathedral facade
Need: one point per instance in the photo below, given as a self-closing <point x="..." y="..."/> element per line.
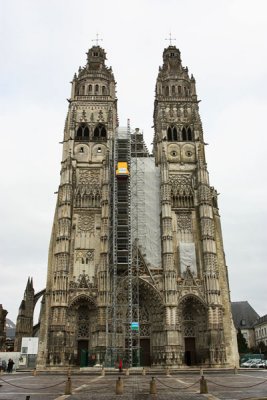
<point x="136" y="266"/>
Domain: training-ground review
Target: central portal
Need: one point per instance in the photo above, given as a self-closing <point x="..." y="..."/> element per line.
<point x="190" y="351"/>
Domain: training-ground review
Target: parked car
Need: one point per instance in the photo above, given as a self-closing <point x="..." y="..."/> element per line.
<point x="251" y="363"/>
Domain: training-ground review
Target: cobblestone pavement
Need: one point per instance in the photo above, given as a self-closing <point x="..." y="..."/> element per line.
<point x="247" y="384"/>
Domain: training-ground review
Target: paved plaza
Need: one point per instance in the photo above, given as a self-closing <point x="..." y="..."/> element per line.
<point x="246" y="384"/>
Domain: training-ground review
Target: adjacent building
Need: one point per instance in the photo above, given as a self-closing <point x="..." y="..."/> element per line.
<point x="245" y="317"/>
<point x="260" y="328"/>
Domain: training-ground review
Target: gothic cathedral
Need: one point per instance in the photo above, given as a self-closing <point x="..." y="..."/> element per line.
<point x="136" y="266"/>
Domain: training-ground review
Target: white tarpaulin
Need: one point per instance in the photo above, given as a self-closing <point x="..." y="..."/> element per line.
<point x="145" y="196"/>
<point x="188" y="257"/>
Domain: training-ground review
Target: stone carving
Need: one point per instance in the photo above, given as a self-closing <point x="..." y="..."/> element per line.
<point x="84" y="255"/>
<point x="86" y="223"/>
<point x="181" y="183"/>
<point x="184" y="222"/>
<point x="181" y="191"/>
<point x="100" y="116"/>
<point x="62" y="261"/>
<point x="83" y="116"/>
<point x="110" y="115"/>
<point x="89" y="176"/>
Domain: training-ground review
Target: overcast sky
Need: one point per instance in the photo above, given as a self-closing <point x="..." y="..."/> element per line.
<point x="223" y="43"/>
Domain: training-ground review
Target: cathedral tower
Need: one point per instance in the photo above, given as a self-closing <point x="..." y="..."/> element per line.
<point x="77" y="267"/>
<point x="136" y="266"/>
<point x="196" y="291"/>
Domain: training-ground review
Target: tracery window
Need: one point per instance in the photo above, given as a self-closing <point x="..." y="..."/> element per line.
<point x="83" y="322"/>
<point x="172" y="134"/>
<point x="82" y="132"/>
<point x="187" y="134"/>
<point x="100" y="131"/>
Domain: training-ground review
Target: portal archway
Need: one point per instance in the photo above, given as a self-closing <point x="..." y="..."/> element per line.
<point x="193" y="314"/>
<point x="82" y="316"/>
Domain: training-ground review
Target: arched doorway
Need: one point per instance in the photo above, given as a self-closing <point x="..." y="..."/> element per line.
<point x="193" y="316"/>
<point x="82" y="315"/>
<point x="151" y="322"/>
<point x="148" y="310"/>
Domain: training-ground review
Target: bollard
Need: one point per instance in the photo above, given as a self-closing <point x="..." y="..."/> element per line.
<point x="103" y="371"/>
<point x="153" y="387"/>
<point x="28" y="397"/>
<point x="127" y="372"/>
<point x="68" y="386"/>
<point x="119" y="386"/>
<point x="201" y="372"/>
<point x="235" y="371"/>
<point x="143" y="371"/>
<point x="168" y="373"/>
<point x="203" y="386"/>
<point x="34" y="372"/>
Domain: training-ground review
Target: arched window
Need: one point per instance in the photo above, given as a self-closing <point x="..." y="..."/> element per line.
<point x="172" y="135"/>
<point x="169" y="134"/>
<point x="103" y="89"/>
<point x="179" y="89"/>
<point x="96" y="88"/>
<point x="100" y="131"/>
<point x="173" y="90"/>
<point x="90" y="89"/>
<point x="184" y="136"/>
<point x="79" y="132"/>
<point x="82" y="132"/>
<point x="167" y="91"/>
<point x="187" y="134"/>
<point x="86" y="132"/>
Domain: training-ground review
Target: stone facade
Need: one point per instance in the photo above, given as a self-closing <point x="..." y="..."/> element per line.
<point x="183" y="306"/>
<point x="260" y="328"/>
<point x="3" y="314"/>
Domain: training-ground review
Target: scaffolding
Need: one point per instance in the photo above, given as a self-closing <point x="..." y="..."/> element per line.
<point x="122" y="323"/>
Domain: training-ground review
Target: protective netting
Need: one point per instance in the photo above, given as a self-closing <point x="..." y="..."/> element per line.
<point x="145" y="201"/>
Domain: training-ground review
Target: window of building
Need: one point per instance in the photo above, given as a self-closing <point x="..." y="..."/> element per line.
<point x="82" y="132"/>
<point x="100" y="131"/>
<point x="187" y="134"/>
<point x="172" y="135"/>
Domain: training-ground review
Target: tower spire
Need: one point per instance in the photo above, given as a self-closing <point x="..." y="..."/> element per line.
<point x="97" y="40"/>
<point x="170" y="38"/>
